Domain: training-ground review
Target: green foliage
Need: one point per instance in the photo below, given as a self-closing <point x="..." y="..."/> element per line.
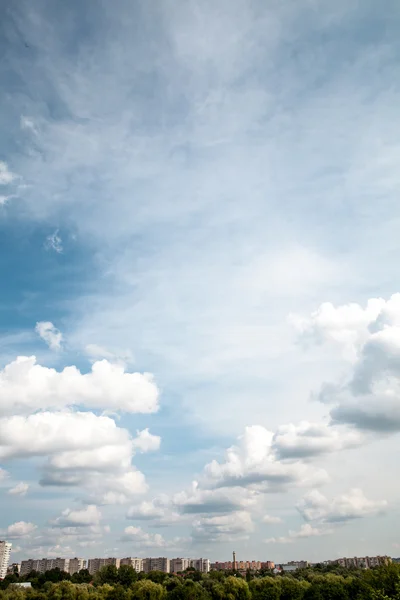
<point x="319" y="583"/>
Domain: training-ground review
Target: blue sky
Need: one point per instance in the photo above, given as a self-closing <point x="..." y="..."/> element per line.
<point x="198" y="237"/>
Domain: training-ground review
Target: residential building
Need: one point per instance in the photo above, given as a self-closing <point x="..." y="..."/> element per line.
<point x="268" y="564"/>
<point x="200" y="564"/>
<point x="95" y="564"/>
<point x="29" y="565"/>
<point x="14" y="568"/>
<point x="76" y="565"/>
<point x="299" y="564"/>
<point x="5" y="549"/>
<point x="156" y="564"/>
<point x="136" y="563"/>
<point x="364" y="562"/>
<point x="177" y="565"/>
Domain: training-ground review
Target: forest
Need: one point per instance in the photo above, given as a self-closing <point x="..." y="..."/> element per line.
<point x="314" y="583"/>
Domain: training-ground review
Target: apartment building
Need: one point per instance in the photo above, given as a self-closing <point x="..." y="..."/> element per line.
<point x="14" y="567"/>
<point x="5" y="549"/>
<point x="268" y="564"/>
<point x="76" y="565"/>
<point x="200" y="564"/>
<point x="177" y="565"/>
<point x="45" y="564"/>
<point x="156" y="564"/>
<point x="136" y="563"/>
<point x="364" y="562"/>
<point x="95" y="564"/>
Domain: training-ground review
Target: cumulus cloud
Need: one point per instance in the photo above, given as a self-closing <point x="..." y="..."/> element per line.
<point x="90" y="515"/>
<point x="198" y="500"/>
<point x="312" y="439"/>
<point x="271" y="520"/>
<point x="54" y="242"/>
<point x="305" y="531"/>
<point x="253" y="463"/>
<point x="19" y="529"/>
<point x="146" y="441"/>
<point x="95" y="351"/>
<point x="27" y="386"/>
<point x="368" y="398"/>
<point x="50" y="334"/>
<point x="159" y="511"/>
<point x="19" y="490"/>
<point x="6" y="176"/>
<point x="81" y="449"/>
<point x="223" y="528"/>
<point x="314" y="506"/>
<point x="148" y="540"/>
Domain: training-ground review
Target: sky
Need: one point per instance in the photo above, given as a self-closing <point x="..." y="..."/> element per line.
<point x="200" y="308"/>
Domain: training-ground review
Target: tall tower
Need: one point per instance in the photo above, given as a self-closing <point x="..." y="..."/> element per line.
<point x="234" y="561"/>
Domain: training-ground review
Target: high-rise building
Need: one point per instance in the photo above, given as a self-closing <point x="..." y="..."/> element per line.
<point x="5" y="549"/>
<point x="136" y="563"/>
<point x="156" y="564"/>
<point x="95" y="564"/>
<point x="76" y="565"/>
<point x="200" y="564"/>
<point x="177" y="565"/>
<point x="234" y="561"/>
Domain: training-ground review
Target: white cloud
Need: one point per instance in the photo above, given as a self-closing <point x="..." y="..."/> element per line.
<point x="95" y="351"/>
<point x="3" y="474"/>
<point x="27" y="386"/>
<point x="312" y="439"/>
<point x="28" y="124"/>
<point x="54" y="242"/>
<point x="146" y="441"/>
<point x="367" y="399"/>
<point x="148" y="540"/>
<point x="90" y="515"/>
<point x="271" y="520"/>
<point x="253" y="463"/>
<point x="6" y="176"/>
<point x="314" y="506"/>
<point x="197" y="500"/>
<point x="305" y="531"/>
<point x="159" y="511"/>
<point x="19" y="490"/>
<point x="82" y="449"/>
<point x="19" y="530"/>
<point x="223" y="528"/>
<point x="50" y="334"/>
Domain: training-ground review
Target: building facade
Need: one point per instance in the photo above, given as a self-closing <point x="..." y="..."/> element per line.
<point x="177" y="565"/>
<point x="95" y="564"/>
<point x="136" y="563"/>
<point x="5" y="549"/>
<point x="200" y="564"/>
<point x="76" y="565"/>
<point x="156" y="564"/>
<point x="363" y="562"/>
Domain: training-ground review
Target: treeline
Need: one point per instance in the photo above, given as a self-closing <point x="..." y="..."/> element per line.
<point x="318" y="583"/>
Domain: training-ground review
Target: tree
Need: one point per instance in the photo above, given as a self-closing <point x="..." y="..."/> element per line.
<point x="147" y="590"/>
<point x="157" y="576"/>
<point x="267" y="588"/>
<point x="236" y="588"/>
<point x="127" y="575"/>
<point x="108" y="574"/>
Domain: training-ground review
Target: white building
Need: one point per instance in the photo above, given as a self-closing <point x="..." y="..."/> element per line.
<point x="136" y="563"/>
<point x="177" y="565"/>
<point x="95" y="564"/>
<point x="200" y="564"/>
<point x="5" y="549"/>
<point x="76" y="565"/>
<point x="156" y="564"/>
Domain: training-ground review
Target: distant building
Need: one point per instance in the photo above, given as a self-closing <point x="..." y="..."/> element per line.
<point x="136" y="563"/>
<point x="288" y="568"/>
<point x="14" y="567"/>
<point x="200" y="564"/>
<point x="156" y="564"/>
<point x="364" y="562"/>
<point x="22" y="584"/>
<point x="5" y="549"/>
<point x="268" y="564"/>
<point x="299" y="564"/>
<point x="177" y="565"/>
<point x="95" y="564"/>
<point x="45" y="564"/>
<point x="76" y="565"/>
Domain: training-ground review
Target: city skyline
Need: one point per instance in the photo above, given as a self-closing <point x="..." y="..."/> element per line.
<point x="200" y="308"/>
